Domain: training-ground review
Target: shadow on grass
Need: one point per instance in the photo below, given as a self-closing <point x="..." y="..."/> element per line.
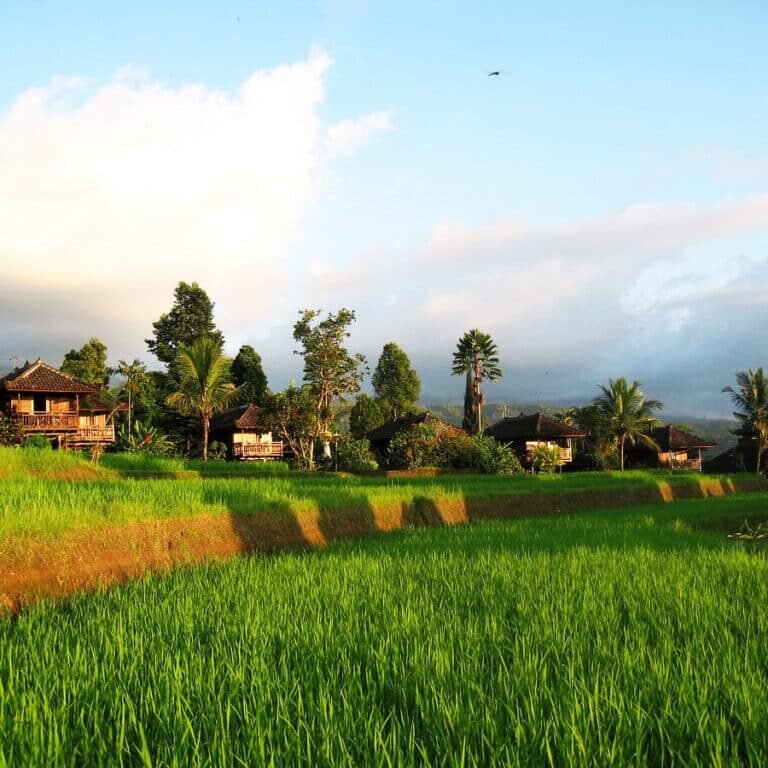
<point x="315" y="518"/>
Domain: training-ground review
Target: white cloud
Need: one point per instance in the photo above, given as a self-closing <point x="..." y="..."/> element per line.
<point x="348" y="136"/>
<point x="111" y="195"/>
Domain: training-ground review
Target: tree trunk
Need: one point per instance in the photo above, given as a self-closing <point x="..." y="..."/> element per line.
<point x="621" y="443"/>
<point x="478" y="395"/>
<point x="206" y="425"/>
<point x="759" y="455"/>
<point x="129" y="412"/>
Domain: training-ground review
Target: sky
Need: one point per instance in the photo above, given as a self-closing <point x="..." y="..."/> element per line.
<point x="600" y="207"/>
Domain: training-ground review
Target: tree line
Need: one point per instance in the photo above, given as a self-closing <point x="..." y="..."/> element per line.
<point x="171" y="409"/>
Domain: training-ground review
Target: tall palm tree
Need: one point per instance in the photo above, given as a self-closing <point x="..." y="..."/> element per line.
<point x="204" y="385"/>
<point x="627" y="413"/>
<point x="751" y="401"/>
<point x="134" y="373"/>
<point x="476" y="356"/>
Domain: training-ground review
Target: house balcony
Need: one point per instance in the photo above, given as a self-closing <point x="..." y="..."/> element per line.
<point x="263" y="451"/>
<point x="50" y="422"/>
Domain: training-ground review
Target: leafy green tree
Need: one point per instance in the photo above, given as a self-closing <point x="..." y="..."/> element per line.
<point x="396" y="384"/>
<point x="751" y="400"/>
<point x="329" y="369"/>
<point x="291" y="415"/>
<point x="204" y="383"/>
<point x="248" y="375"/>
<point x="190" y="318"/>
<point x="476" y="354"/>
<point x="135" y="374"/>
<point x="89" y="363"/>
<point x="366" y="415"/>
<point x="626" y="413"/>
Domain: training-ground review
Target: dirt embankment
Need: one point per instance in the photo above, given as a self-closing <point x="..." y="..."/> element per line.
<point x="86" y="559"/>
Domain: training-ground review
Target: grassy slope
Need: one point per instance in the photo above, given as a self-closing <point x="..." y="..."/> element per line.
<point x="618" y="637"/>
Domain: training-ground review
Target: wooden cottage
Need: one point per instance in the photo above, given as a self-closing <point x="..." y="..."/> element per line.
<point x="677" y="450"/>
<point x="380" y="437"/>
<point x="70" y="413"/>
<point x="524" y="434"/>
<point x="242" y="430"/>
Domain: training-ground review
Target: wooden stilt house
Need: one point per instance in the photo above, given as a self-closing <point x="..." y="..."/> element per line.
<point x="72" y="414"/>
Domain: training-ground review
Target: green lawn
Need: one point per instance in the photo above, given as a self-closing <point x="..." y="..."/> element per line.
<point x="619" y="637"/>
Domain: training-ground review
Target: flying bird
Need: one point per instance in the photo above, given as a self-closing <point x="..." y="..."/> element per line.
<point x="495" y="73"/>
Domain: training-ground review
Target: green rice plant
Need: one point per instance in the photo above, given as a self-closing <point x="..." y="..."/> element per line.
<point x="621" y="637"/>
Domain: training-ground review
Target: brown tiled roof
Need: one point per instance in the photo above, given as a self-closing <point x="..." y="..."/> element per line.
<point x="671" y="438"/>
<point x="41" y="377"/>
<point x="390" y="428"/>
<point x="537" y="426"/>
<point x="243" y="417"/>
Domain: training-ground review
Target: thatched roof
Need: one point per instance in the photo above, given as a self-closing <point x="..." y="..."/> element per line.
<point x="390" y="428"/>
<point x="243" y="417"/>
<point x="672" y="439"/>
<point x="41" y="377"/>
<point x="536" y="426"/>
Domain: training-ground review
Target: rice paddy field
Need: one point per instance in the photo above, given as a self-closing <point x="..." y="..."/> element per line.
<point x="625" y="635"/>
<point x="44" y="493"/>
<point x="635" y="636"/>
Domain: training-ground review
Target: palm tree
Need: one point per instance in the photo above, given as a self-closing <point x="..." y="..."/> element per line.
<point x="627" y="413"/>
<point x="751" y="401"/>
<point x="134" y="373"/>
<point x="476" y="356"/>
<point x="204" y="383"/>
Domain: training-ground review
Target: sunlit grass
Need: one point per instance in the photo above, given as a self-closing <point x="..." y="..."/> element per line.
<point x="619" y="637"/>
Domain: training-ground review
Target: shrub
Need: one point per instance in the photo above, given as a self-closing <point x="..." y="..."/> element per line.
<point x="40" y="442"/>
<point x="11" y="432"/>
<point x="416" y="446"/>
<point x="217" y="450"/>
<point x="481" y="454"/>
<point x="354" y="455"/>
<point x="143" y="438"/>
<point x="546" y="459"/>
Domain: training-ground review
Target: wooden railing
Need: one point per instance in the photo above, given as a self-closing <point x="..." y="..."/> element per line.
<point x="46" y="422"/>
<point x="95" y="434"/>
<point x="273" y="450"/>
<point x="691" y="464"/>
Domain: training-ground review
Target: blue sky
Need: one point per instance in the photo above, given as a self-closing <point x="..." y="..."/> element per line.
<point x="600" y="208"/>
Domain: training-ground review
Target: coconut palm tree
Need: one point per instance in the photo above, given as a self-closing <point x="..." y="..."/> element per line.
<point x="751" y="401"/>
<point x="627" y="413"/>
<point x="204" y="385"/>
<point x="476" y="356"/>
<point x="134" y="373"/>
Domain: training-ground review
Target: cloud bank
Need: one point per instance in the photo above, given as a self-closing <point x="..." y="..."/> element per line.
<point x="110" y="195"/>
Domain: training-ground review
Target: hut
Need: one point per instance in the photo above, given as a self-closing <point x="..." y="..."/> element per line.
<point x="677" y="449"/>
<point x="243" y="431"/>
<point x="524" y="434"/>
<point x="70" y="413"/>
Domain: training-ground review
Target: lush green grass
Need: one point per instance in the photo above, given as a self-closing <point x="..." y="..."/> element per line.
<point x="128" y="464"/>
<point x="47" y="507"/>
<point x="621" y="637"/>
